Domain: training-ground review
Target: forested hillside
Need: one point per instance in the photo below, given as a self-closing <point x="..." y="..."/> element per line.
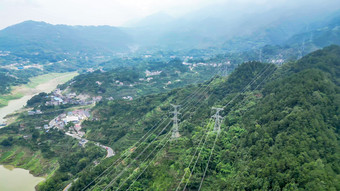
<point x="206" y="95"/>
<point x="33" y="48"/>
<point x="280" y="134"/>
<point x="144" y="79"/>
<point x="280" y="131"/>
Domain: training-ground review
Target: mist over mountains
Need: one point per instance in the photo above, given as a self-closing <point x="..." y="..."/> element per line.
<point x="225" y="95"/>
<point x="229" y="27"/>
<point x="236" y="28"/>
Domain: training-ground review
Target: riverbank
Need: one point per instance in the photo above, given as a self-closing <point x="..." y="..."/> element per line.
<point x="21" y="157"/>
<point x="21" y="94"/>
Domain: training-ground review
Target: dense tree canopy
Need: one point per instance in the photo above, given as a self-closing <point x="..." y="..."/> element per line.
<point x="282" y="136"/>
<point x="279" y="133"/>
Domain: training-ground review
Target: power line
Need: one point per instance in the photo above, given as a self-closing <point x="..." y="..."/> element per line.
<point x="212" y="150"/>
<point x="153" y="159"/>
<point x="175" y="133"/>
<point x="217" y="125"/>
<point x="133" y="161"/>
<point x="167" y="137"/>
<point x="249" y="84"/>
<point x="218" y="119"/>
<point x="186" y="101"/>
<point x="193" y="156"/>
<point x="175" y="106"/>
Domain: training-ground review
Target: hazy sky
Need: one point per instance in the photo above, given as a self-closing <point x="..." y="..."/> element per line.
<point x="91" y="12"/>
<point x="108" y="12"/>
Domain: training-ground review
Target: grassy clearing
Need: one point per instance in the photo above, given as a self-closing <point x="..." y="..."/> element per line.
<point x="4" y="99"/>
<point x="64" y="77"/>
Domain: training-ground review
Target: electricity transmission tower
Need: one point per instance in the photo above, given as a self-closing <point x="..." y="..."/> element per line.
<point x="175" y="133"/>
<point x="218" y="119"/>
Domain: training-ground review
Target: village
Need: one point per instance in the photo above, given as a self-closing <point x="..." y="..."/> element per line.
<point x="58" y="98"/>
<point x="75" y="117"/>
<point x="70" y="123"/>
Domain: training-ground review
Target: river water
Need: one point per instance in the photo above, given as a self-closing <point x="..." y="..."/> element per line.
<point x="17" y="179"/>
<point x="17" y="104"/>
<point x="13" y="106"/>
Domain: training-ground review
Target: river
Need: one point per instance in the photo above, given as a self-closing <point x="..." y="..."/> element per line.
<point x="46" y="86"/>
<point x="13" y="106"/>
<point x="17" y="179"/>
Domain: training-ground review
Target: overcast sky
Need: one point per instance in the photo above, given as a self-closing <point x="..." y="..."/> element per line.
<point x="91" y="12"/>
<point x="106" y="12"/>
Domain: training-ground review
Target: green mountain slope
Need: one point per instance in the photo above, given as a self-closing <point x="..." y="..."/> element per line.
<point x="142" y="79"/>
<point x="280" y="133"/>
<point x="284" y="136"/>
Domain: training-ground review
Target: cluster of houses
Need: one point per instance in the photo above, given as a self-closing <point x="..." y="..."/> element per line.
<point x="146" y="79"/>
<point x="71" y="98"/>
<point x="21" y="65"/>
<point x="90" y="70"/>
<point x="119" y="83"/>
<point x="193" y="65"/>
<point x="76" y="117"/>
<point x="128" y="98"/>
<point x="155" y="73"/>
<point x="36" y="112"/>
<point x="277" y="61"/>
<point x="148" y="75"/>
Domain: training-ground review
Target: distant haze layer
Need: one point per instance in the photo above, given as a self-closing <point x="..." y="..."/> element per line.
<point x="120" y="12"/>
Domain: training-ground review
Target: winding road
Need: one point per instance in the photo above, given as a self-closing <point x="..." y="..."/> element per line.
<point x="109" y="151"/>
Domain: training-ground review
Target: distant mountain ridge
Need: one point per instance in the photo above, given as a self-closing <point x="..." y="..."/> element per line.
<point x="200" y="30"/>
<point x="37" y="36"/>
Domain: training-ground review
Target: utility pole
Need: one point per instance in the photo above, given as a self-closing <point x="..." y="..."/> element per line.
<point x="175" y="132"/>
<point x="218" y="119"/>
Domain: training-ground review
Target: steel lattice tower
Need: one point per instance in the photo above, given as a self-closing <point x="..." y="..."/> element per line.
<point x="218" y="119"/>
<point x="175" y="132"/>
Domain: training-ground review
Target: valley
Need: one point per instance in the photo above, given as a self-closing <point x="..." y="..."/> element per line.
<point x="122" y="124"/>
<point x="204" y="95"/>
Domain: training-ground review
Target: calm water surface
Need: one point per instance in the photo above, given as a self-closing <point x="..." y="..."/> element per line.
<point x="13" y="106"/>
<point x="17" y="104"/>
<point x="17" y="179"/>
